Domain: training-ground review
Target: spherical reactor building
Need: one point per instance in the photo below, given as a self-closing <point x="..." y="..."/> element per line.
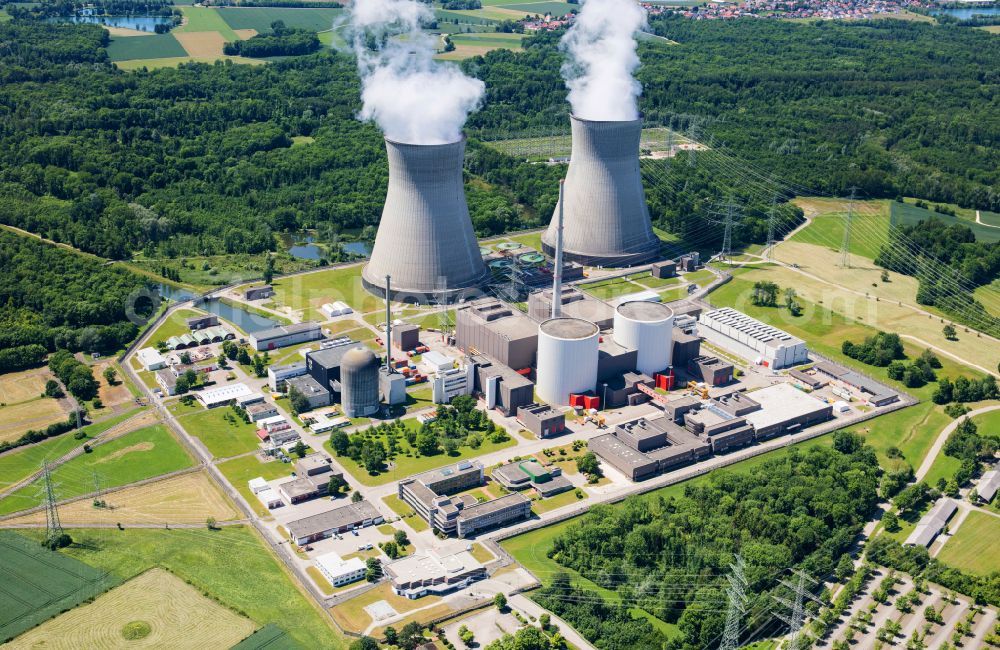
<point x="567" y="359"/>
<point x="646" y="327"/>
<point x="359" y="382"/>
<point x="425" y="239"/>
<point x="606" y="221"/>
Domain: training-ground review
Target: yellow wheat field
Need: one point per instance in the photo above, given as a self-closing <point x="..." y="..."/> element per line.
<point x="178" y="616"/>
<point x="185" y="499"/>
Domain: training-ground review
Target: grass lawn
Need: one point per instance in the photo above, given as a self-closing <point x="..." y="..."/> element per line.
<point x="481" y="554"/>
<point x="145" y="453"/>
<point x="205" y="19"/>
<point x="398" y="506"/>
<point x="311" y="290"/>
<point x="409" y="465"/>
<point x="256" y="585"/>
<point x="351" y="615"/>
<point x="610" y="289"/>
<point x="223" y="437"/>
<point x="558" y="501"/>
<point x="239" y="471"/>
<point x="529" y="239"/>
<point x="825" y="331"/>
<point x="18" y="463"/>
<point x="676" y="293"/>
<point x="174" y="325"/>
<point x="988" y="423"/>
<point x="650" y="282"/>
<point x="830" y="219"/>
<point x="973" y="547"/>
<point x="700" y="278"/>
<point x="912" y="430"/>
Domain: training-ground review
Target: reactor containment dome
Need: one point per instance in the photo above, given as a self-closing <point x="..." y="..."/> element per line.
<point x="425" y="239"/>
<point x="359" y="382"/>
<point x="606" y="221"/>
<point x="646" y="327"/>
<point x="566" y="359"/>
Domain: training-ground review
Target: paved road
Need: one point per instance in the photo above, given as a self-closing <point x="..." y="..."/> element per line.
<point x="525" y="604"/>
<point x="942" y="438"/>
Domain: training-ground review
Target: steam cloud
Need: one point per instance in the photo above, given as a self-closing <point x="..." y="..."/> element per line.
<point x="602" y="56"/>
<point x="413" y="98"/>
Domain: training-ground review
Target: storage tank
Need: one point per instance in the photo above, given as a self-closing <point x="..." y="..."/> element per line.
<point x="567" y="359"/>
<point x="359" y="381"/>
<point x="646" y="327"/>
<point x="606" y="221"/>
<point x="425" y="239"/>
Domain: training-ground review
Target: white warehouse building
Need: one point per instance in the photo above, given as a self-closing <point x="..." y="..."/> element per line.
<point x="739" y="332"/>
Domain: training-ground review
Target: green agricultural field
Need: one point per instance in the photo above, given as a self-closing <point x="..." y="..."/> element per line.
<point x="145" y="453"/>
<point x="17" y="464"/>
<point x="144" y="47"/>
<point x="990" y="218"/>
<point x="269" y="637"/>
<point x="239" y="471"/>
<point x="462" y="18"/>
<point x="260" y="18"/>
<point x="905" y="213"/>
<point x="222" y="431"/>
<point x="541" y="8"/>
<point x="869" y="228"/>
<point x="973" y="547"/>
<point x="205" y="19"/>
<point x="404" y="465"/>
<point x="39" y="584"/>
<point x="231" y="565"/>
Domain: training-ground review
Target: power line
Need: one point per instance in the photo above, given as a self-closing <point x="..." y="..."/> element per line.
<point x="736" y="593"/>
<point x="797" y="608"/>
<point x="845" y="246"/>
<point x="53" y="527"/>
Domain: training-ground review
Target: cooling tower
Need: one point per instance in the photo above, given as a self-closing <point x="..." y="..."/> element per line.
<point x="425" y="239"/>
<point x="606" y="221"/>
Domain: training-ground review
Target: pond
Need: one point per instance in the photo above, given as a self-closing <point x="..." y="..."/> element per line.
<point x="244" y="319"/>
<point x="140" y="23"/>
<point x="302" y="245"/>
<point x="357" y="248"/>
<point x="964" y="13"/>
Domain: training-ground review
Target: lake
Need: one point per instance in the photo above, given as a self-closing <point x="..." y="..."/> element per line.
<point x="964" y="13"/>
<point x="140" y="23"/>
<point x="246" y="321"/>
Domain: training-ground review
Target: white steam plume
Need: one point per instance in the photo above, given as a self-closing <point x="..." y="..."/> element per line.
<point x="601" y="58"/>
<point x="413" y="98"/>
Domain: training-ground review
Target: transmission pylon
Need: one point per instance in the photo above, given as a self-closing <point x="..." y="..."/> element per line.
<point x="98" y="491"/>
<point x="692" y="136"/>
<point x="53" y="527"/>
<point x="796" y="608"/>
<point x="729" y="213"/>
<point x="845" y="246"/>
<point x="736" y="593"/>
<point x="771" y="223"/>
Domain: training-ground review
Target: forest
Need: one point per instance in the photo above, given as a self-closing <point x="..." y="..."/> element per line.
<point x="281" y="41"/>
<point x="59" y="299"/>
<point x="670" y="555"/>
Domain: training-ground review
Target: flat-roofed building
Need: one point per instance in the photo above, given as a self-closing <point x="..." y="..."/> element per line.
<point x="504" y="388"/>
<point x="666" y="269"/>
<point x="258" y="293"/>
<point x="875" y="393"/>
<point x="630" y="462"/>
<point x="167" y="380"/>
<point x="222" y="395"/>
<point x="575" y="304"/>
<point x="711" y="370"/>
<point x="685" y="347"/>
<point x="433" y="572"/>
<point x="338" y="571"/>
<point x="931" y="524"/>
<point x="285" y="335"/>
<point x="314" y="465"/>
<point x="785" y="409"/>
<point x="775" y="348"/>
<point x="723" y="430"/>
<point x="278" y="375"/>
<point x="337" y="520"/>
<point x="201" y="322"/>
<point x="324" y="365"/>
<point x="302" y="489"/>
<point x="315" y="393"/>
<point x="812" y="381"/>
<point x="151" y="359"/>
<point x="262" y="411"/>
<point x="541" y="420"/>
<point x="491" y="327"/>
<point x="524" y="474"/>
<point x="490" y="514"/>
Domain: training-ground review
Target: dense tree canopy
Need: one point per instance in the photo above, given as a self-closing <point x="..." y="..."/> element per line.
<point x="668" y="555"/>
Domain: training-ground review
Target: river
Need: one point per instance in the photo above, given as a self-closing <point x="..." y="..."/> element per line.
<point x="245" y="320"/>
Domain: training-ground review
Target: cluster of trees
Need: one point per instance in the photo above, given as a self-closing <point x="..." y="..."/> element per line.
<point x="802" y="510"/>
<point x="879" y="350"/>
<point x="282" y="41"/>
<point x="461" y="4"/>
<point x="970" y="447"/>
<point x="75" y="375"/>
<point x="460" y="424"/>
<point x="916" y="561"/>
<point x="964" y="390"/>
<point x="528" y="638"/>
<point x="951" y="263"/>
<point x="55" y="429"/>
<point x="916" y="374"/>
<point x="21" y="356"/>
<point x="51" y="9"/>
<point x="57" y="299"/>
<point x="211" y="170"/>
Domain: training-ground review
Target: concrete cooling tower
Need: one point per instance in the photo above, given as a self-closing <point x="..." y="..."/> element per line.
<point x="606" y="221"/>
<point x="425" y="239"/>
